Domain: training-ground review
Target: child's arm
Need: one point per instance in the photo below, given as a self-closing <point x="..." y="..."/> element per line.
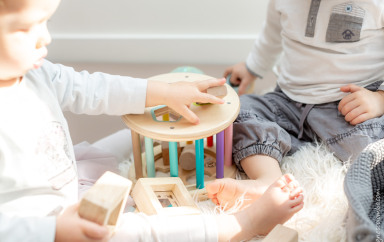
<point x="101" y="93"/>
<point x="180" y="95"/>
<point x="240" y="76"/>
<point x="70" y="227"/>
<point x="361" y="104"/>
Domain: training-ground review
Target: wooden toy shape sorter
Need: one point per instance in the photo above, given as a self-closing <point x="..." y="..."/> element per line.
<point x="215" y="119"/>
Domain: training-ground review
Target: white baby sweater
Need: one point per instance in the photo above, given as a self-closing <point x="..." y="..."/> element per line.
<point x="321" y="45"/>
<point x="37" y="165"/>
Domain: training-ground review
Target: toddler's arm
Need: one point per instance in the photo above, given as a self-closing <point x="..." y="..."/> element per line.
<point x="361" y="104"/>
<point x="15" y="229"/>
<point x="180" y="95"/>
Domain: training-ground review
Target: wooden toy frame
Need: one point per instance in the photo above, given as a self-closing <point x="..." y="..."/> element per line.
<point x="148" y="192"/>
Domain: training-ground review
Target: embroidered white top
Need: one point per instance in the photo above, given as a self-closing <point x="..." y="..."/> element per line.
<point x="321" y="45"/>
<point x="37" y="162"/>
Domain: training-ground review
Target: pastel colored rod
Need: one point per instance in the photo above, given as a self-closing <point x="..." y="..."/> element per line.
<point x="173" y="161"/>
<point x="228" y="135"/>
<point x="220" y="155"/>
<point x="210" y="141"/>
<point x="136" y="146"/>
<point x="199" y="149"/>
<point x="149" y="156"/>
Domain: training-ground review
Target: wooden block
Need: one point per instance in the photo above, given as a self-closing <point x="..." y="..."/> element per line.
<point x="165" y="152"/>
<point x="163" y="195"/>
<point x="282" y="234"/>
<point x="105" y="200"/>
<point x="220" y="91"/>
<point x="188" y="158"/>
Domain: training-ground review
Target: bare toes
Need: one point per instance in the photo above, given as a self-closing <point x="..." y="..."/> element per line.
<point x="297" y="201"/>
<point x="281" y="182"/>
<point x="289" y="178"/>
<point x="296" y="192"/>
<point x="297" y="208"/>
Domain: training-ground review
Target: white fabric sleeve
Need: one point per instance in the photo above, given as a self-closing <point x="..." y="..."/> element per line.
<point x="267" y="46"/>
<point x="96" y="93"/>
<point x="188" y="228"/>
<point x="29" y="229"/>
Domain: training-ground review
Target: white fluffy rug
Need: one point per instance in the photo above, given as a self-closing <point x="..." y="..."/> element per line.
<point x="325" y="205"/>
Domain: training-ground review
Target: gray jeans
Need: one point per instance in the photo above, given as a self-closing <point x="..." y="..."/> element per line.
<point x="276" y="126"/>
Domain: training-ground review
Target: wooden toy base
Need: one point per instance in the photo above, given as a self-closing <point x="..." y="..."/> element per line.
<point x="188" y="177"/>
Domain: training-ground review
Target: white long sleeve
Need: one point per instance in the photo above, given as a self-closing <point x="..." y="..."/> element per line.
<point x="27" y="229"/>
<point x="267" y="47"/>
<point x="187" y="228"/>
<point x="96" y="93"/>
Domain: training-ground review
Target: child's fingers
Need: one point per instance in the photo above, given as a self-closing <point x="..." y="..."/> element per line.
<point x="204" y="85"/>
<point x="344" y="101"/>
<point x="361" y="118"/>
<point x="242" y="88"/>
<point x="228" y="71"/>
<point x="348" y="107"/>
<point x="351" y="88"/>
<point x="93" y="230"/>
<point x="187" y="114"/>
<point x="208" y="98"/>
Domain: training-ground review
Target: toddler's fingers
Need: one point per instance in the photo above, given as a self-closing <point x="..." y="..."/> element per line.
<point x="93" y="230"/>
<point x="187" y="114"/>
<point x="228" y="71"/>
<point x="242" y="88"/>
<point x="204" y="85"/>
<point x="208" y="98"/>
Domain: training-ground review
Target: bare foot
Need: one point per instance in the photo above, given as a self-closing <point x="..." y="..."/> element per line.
<point x="279" y="203"/>
<point x="227" y="192"/>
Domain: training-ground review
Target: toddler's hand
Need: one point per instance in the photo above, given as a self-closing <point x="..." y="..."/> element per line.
<point x="182" y="94"/>
<point x="361" y="104"/>
<point x="70" y="227"/>
<point x="240" y="76"/>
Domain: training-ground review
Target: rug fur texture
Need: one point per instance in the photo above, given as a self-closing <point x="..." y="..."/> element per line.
<point x="325" y="205"/>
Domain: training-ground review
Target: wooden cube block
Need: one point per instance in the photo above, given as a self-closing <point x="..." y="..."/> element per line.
<point x="163" y="195"/>
<point x="281" y="233"/>
<point x="105" y="200"/>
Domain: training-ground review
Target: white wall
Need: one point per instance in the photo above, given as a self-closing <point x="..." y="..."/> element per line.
<point x="155" y="31"/>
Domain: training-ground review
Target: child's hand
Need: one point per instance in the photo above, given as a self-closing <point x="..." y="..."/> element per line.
<point x="179" y="95"/>
<point x="70" y="227"/>
<point x="361" y="104"/>
<point x="240" y="76"/>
